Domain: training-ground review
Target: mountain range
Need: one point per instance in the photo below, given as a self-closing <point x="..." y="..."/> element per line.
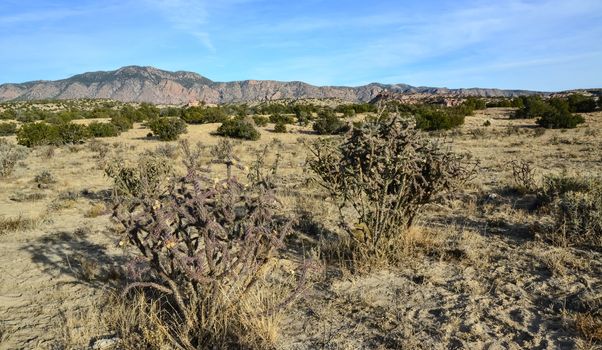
<point x="149" y="84"/>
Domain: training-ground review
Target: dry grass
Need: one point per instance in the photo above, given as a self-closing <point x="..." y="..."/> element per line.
<point x="143" y="321"/>
<point x="589" y="327"/>
<point x="562" y="262"/>
<point x="96" y="210"/>
<point x="19" y="223"/>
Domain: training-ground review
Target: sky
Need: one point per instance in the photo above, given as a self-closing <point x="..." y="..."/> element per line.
<point x="545" y="45"/>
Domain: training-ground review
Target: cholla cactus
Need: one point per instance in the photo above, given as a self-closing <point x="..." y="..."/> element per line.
<point x="385" y="171"/>
<point x="262" y="173"/>
<point x="203" y="243"/>
<point x="223" y="153"/>
<point x="523" y="175"/>
<point x="143" y="178"/>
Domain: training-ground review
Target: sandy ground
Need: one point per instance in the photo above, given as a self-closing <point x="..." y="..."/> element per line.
<point x="486" y="282"/>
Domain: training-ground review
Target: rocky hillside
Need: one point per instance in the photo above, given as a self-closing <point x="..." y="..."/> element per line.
<point x="148" y="84"/>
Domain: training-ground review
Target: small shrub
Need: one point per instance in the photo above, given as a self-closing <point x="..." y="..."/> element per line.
<point x="433" y="119"/>
<point x="149" y="173"/>
<point x="37" y="134"/>
<point x="280" y="128"/>
<point x="10" y="154"/>
<point x="7" y="129"/>
<point x="203" y="115"/>
<point x="223" y="153"/>
<point x="47" y="152"/>
<point x="523" y="176"/>
<point x="487" y="123"/>
<point x="122" y="123"/>
<point x="168" y="151"/>
<point x="96" y="210"/>
<point x="44" y="179"/>
<point x="330" y="124"/>
<point x="559" y="119"/>
<point x="263" y="173"/>
<point x="260" y="120"/>
<point x="478" y="133"/>
<point x="281" y="119"/>
<point x="71" y="133"/>
<point x="538" y="132"/>
<point x="530" y="107"/>
<point x="167" y="129"/>
<point x="579" y="103"/>
<point x="557" y="186"/>
<point x="384" y="173"/>
<point x="100" y="148"/>
<point x="576" y="206"/>
<point x="303" y="117"/>
<point x="97" y="129"/>
<point x="238" y="128"/>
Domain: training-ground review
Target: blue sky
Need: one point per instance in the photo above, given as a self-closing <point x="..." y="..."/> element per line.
<point x="527" y="44"/>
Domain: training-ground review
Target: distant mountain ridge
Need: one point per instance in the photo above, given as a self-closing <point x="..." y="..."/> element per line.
<point x="149" y="84"/>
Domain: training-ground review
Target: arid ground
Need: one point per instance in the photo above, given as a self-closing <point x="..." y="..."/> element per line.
<point x="478" y="273"/>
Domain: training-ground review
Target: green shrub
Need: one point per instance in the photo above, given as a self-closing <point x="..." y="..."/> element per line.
<point x="349" y="110"/>
<point x="9" y="114"/>
<point x="122" y="123"/>
<point x="555" y="113"/>
<point x="167" y="129"/>
<point x="282" y="119"/>
<point x="280" y="128"/>
<point x="531" y="107"/>
<point x="97" y="129"/>
<point x="330" y="124"/>
<point x="431" y="119"/>
<point x="555" y="118"/>
<point x="581" y="104"/>
<point x="71" y="133"/>
<point x="505" y="102"/>
<point x="260" y="120"/>
<point x="171" y="112"/>
<point x="472" y="104"/>
<point x="37" y="134"/>
<point x="303" y="117"/>
<point x="133" y="115"/>
<point x="204" y="115"/>
<point x="147" y="111"/>
<point x="7" y="129"/>
<point x="238" y="128"/>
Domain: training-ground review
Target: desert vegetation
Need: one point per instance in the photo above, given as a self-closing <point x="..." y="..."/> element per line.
<point x="295" y="225"/>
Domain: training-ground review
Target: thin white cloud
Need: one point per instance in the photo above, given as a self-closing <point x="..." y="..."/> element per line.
<point x="192" y="16"/>
<point x="189" y="16"/>
<point x="205" y="40"/>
